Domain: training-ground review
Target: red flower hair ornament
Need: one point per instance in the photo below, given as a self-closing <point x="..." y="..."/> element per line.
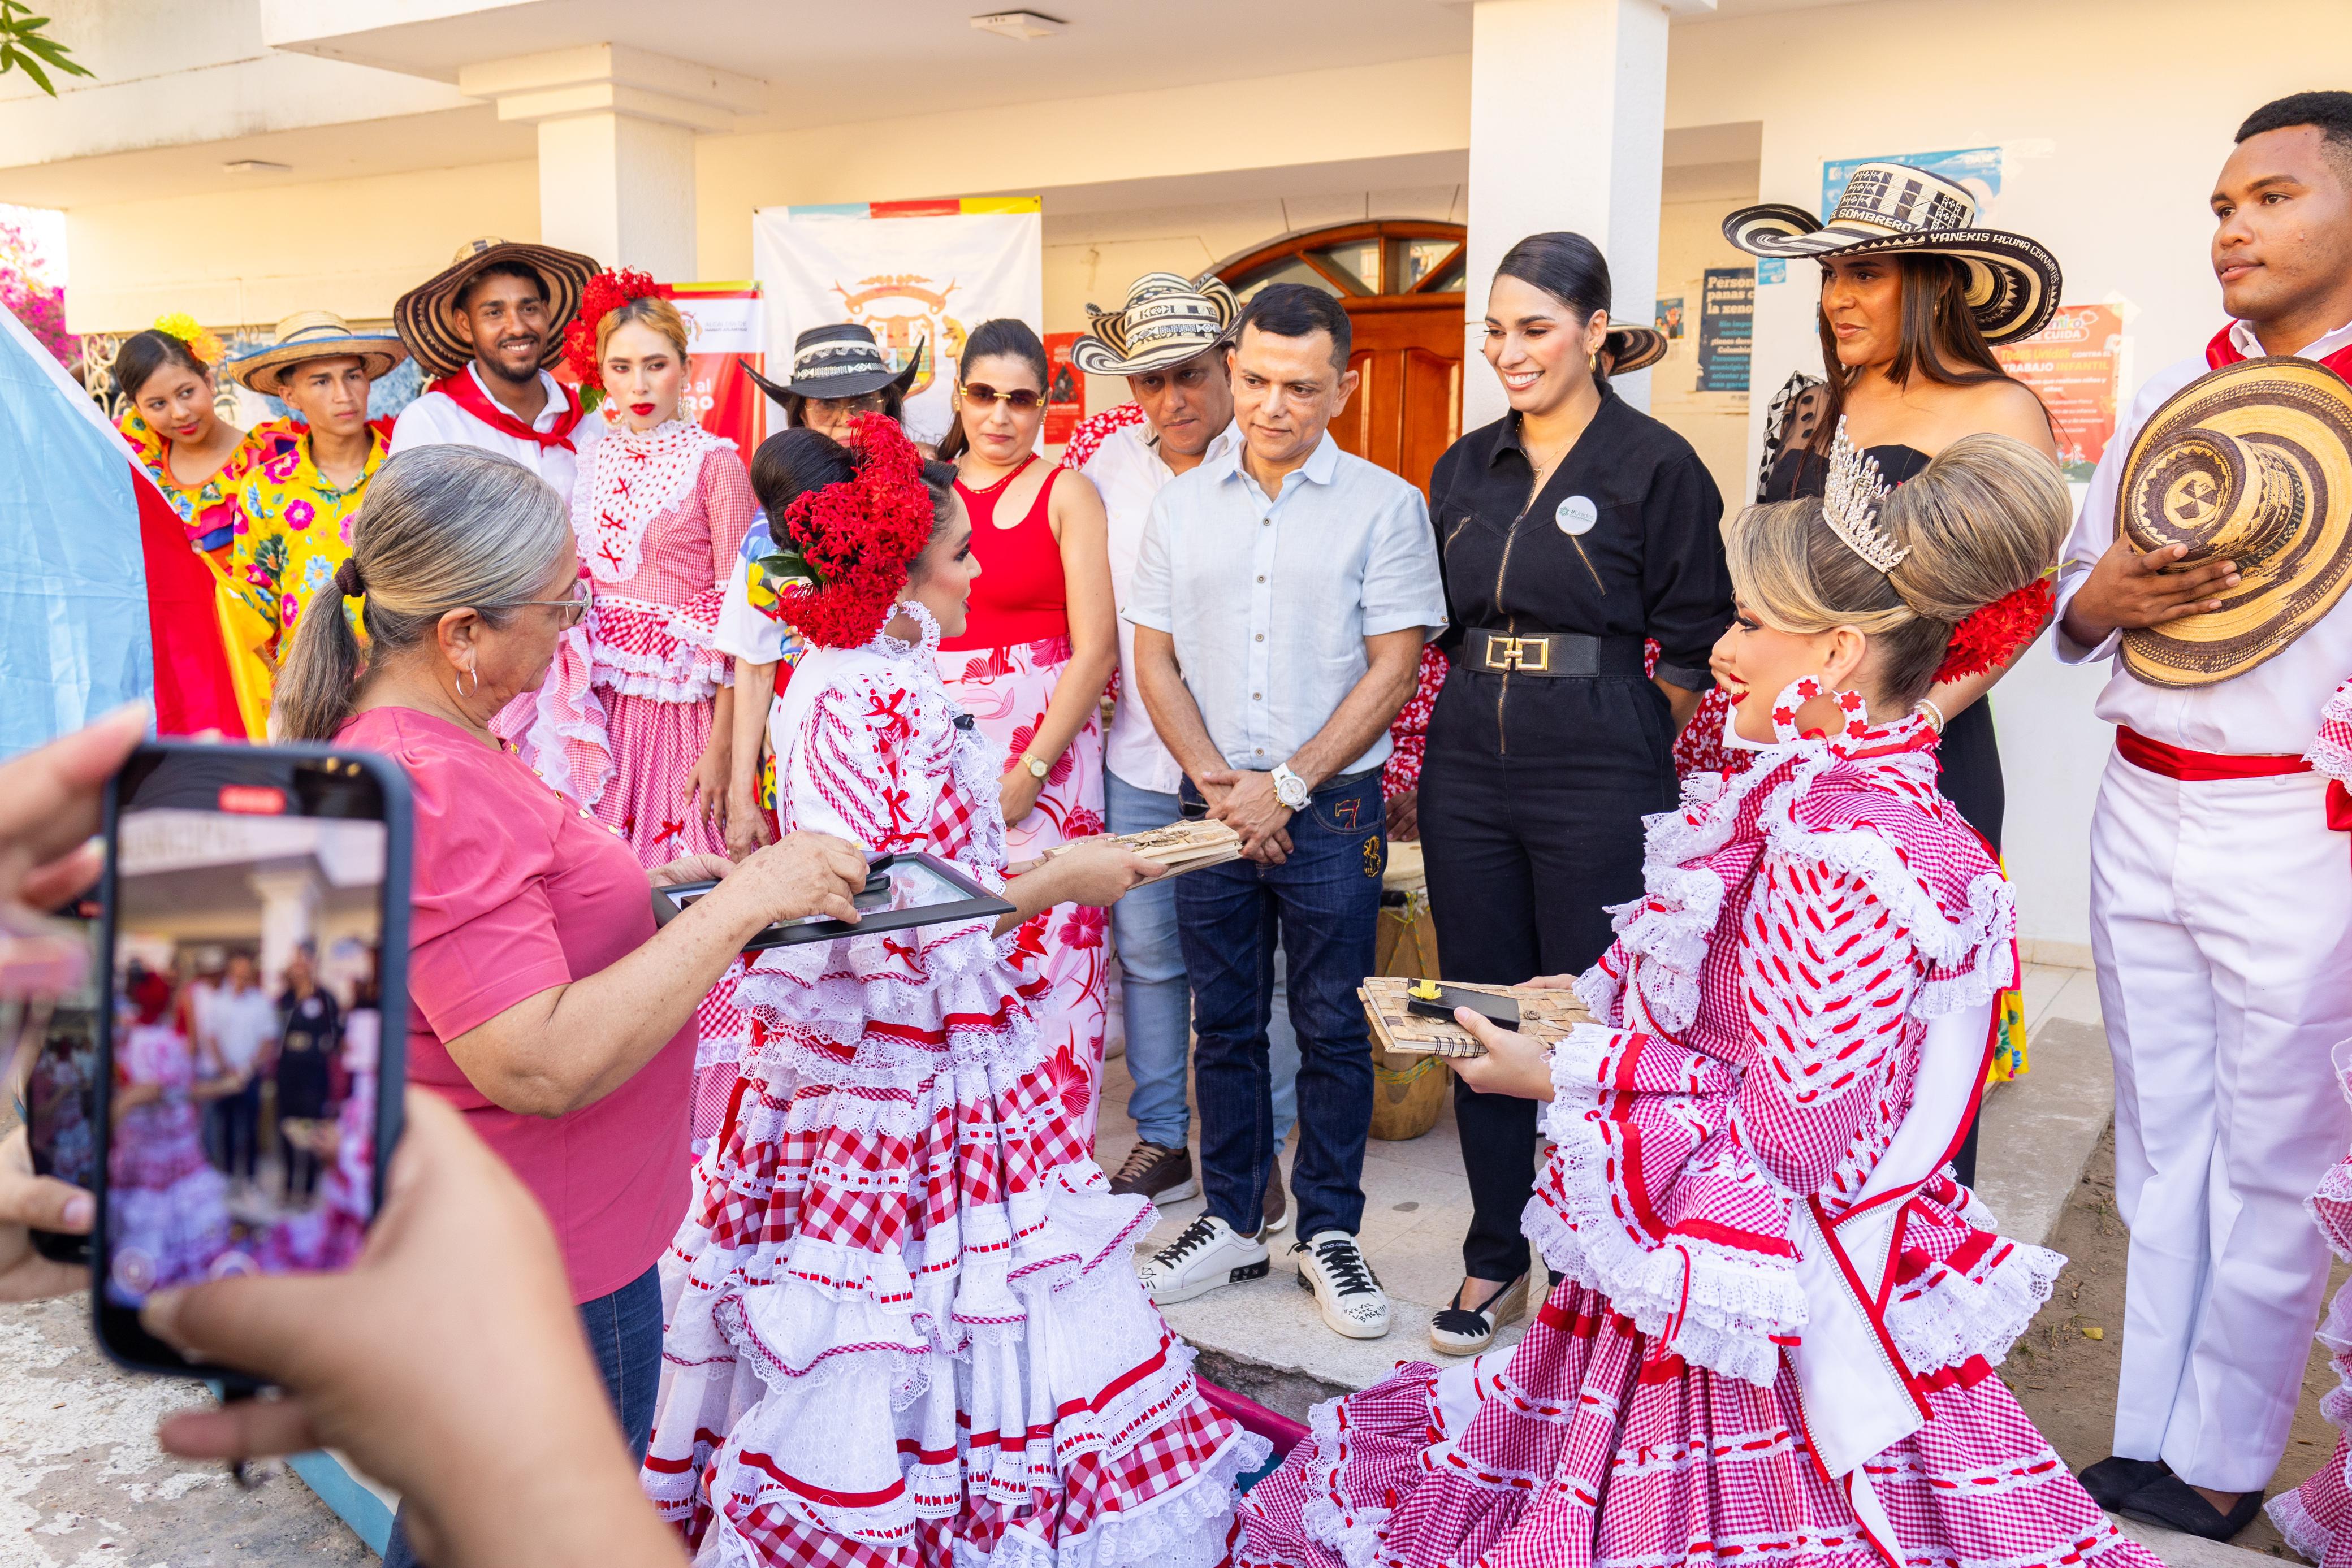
<point x="606" y="292"/>
<point x="1992" y="635"/>
<point x="844" y="549"/>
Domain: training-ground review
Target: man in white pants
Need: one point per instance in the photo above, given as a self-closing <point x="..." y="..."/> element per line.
<point x="2222" y="904"/>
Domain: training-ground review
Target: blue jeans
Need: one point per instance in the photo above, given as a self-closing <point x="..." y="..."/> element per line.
<point x="1156" y="998"/>
<point x="1324" y="903"/>
<point x="235" y="1129"/>
<point x="625" y="1333"/>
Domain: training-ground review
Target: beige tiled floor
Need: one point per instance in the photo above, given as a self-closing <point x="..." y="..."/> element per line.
<point x="1417" y="1207"/>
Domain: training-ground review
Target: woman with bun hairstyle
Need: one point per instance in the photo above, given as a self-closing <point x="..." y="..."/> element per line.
<point x="636" y="720"/>
<point x="905" y="1325"/>
<point x="165" y="375"/>
<point x="1569" y="531"/>
<point x="1776" y="1318"/>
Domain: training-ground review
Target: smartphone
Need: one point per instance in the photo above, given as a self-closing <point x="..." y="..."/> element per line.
<point x="54" y="1078"/>
<point x="253" y="943"/>
<point x="1503" y="1011"/>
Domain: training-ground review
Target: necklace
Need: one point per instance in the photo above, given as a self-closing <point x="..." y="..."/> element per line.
<point x="1017" y="470"/>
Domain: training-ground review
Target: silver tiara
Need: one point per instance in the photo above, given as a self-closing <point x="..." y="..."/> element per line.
<point x="1850" y="504"/>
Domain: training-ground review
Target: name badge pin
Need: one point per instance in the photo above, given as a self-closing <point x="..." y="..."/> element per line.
<point x="1576" y="516"/>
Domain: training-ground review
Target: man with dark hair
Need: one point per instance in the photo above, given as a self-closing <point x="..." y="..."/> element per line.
<point x="1281" y="599"/>
<point x="487" y="328"/>
<point x="2221" y="910"/>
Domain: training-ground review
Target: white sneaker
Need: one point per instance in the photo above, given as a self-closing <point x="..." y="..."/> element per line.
<point x="1210" y="1253"/>
<point x="1332" y="1265"/>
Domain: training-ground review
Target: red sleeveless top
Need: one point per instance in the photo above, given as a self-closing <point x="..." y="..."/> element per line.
<point x="1020" y="596"/>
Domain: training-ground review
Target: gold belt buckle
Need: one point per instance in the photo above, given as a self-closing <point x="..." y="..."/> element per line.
<point x="1532" y="653"/>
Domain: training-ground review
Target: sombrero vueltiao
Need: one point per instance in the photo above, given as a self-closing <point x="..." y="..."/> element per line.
<point x="313" y="335"/>
<point x="1893" y="209"/>
<point x="423" y="314"/>
<point x="2252" y="464"/>
<point x="1166" y="320"/>
<point x="1632" y="348"/>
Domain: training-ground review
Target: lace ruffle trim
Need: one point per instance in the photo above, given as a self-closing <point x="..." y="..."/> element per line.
<point x="1955" y="1318"/>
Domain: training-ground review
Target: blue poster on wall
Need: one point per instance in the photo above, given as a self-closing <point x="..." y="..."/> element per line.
<point x="1726" y="328"/>
<point x="1978" y="168"/>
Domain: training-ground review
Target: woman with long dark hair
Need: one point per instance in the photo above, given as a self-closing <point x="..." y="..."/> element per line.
<point x="167" y="376"/>
<point x="1569" y="531"/>
<point x="1031" y="666"/>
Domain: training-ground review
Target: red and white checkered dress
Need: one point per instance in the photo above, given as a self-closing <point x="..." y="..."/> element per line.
<point x="1765" y="1006"/>
<point x="904" y="1326"/>
<point x="625" y="710"/>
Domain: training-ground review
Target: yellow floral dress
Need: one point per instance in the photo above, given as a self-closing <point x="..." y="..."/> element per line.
<point x="208" y="510"/>
<point x="293" y="529"/>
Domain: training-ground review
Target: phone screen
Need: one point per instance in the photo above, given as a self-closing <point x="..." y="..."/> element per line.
<point x="246" y="1018"/>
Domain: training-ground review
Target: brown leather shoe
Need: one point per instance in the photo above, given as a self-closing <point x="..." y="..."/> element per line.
<point x="1161" y="1173"/>
<point x="1276" y="1208"/>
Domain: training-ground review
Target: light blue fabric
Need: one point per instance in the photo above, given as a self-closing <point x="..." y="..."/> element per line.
<point x="74" y="641"/>
<point x="1269" y="600"/>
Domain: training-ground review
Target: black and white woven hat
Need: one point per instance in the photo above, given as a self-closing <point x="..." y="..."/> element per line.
<point x="836" y="362"/>
<point x="1166" y="320"/>
<point x="1893" y="209"/>
<point x="1632" y="348"/>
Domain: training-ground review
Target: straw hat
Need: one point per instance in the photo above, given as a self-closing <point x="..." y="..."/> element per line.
<point x="313" y="335"/>
<point x="1166" y="320"/>
<point x="423" y="314"/>
<point x="841" y="361"/>
<point x="2252" y="464"/>
<point x="1893" y="209"/>
<point x="1632" y="348"/>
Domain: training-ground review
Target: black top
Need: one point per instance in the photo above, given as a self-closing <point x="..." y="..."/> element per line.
<point x="1650" y="564"/>
<point x="1798" y="474"/>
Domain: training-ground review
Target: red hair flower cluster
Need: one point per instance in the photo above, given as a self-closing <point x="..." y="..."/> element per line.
<point x="1992" y="635"/>
<point x="857" y="538"/>
<point x="606" y="292"/>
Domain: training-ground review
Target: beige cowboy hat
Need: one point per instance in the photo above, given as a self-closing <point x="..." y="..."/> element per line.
<point x="2250" y="464"/>
<point x="423" y="314"/>
<point x="1895" y="209"/>
<point x="1166" y="320"/>
<point x="313" y="335"/>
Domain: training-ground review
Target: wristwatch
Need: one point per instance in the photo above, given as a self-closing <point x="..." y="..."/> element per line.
<point x="1037" y="769"/>
<point x="1289" y="788"/>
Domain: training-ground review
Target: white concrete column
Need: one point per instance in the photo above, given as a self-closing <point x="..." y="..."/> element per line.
<point x="1568" y="125"/>
<point x="290" y="916"/>
<point x="616" y="129"/>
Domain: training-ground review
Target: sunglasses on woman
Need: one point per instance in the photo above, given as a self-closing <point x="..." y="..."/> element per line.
<point x="1021" y="400"/>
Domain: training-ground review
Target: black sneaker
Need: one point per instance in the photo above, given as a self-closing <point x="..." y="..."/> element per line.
<point x="1161" y="1173"/>
<point x="2175" y="1504"/>
<point x="2111" y="1480"/>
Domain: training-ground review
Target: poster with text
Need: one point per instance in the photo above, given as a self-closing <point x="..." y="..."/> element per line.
<point x="2075" y="367"/>
<point x="723" y="328"/>
<point x="1726" y="328"/>
<point x="1669" y="317"/>
<point x="1978" y="168"/>
<point x="1065" y="389"/>
<point x="922" y="274"/>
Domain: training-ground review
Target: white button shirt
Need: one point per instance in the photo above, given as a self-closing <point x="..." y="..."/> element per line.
<point x="436" y="418"/>
<point x="2273" y="708"/>
<point x="1128" y="471"/>
<point x="1269" y="598"/>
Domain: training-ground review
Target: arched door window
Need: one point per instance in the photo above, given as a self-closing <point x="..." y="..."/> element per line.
<point x="1400" y="281"/>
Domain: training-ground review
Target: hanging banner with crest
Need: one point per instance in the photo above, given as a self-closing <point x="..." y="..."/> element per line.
<point x="922" y="274"/>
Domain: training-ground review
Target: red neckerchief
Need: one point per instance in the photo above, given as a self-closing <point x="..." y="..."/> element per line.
<point x="466" y="392"/>
<point x="2222" y="352"/>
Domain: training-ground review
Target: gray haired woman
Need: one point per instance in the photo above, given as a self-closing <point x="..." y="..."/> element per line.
<point x="543" y="1003"/>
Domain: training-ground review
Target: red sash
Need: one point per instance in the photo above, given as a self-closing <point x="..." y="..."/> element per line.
<point x="466" y="392"/>
<point x="2201" y="766"/>
<point x="2222" y="352"/>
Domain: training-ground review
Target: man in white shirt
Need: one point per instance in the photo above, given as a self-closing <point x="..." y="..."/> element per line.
<point x="236" y="1028"/>
<point x="487" y="330"/>
<point x="1168" y="342"/>
<point x="2220" y="905"/>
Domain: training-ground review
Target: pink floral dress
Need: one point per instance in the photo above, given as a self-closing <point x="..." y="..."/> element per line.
<point x="626" y="709"/>
<point x="167" y="1206"/>
<point x="904" y="1328"/>
<point x="1773" y="1334"/>
<point x="1004" y="670"/>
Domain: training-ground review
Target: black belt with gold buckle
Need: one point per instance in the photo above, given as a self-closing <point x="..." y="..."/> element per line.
<point x="1567" y="653"/>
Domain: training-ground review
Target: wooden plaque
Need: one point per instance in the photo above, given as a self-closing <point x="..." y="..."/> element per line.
<point x="1544" y="1015"/>
<point x="1184" y="846"/>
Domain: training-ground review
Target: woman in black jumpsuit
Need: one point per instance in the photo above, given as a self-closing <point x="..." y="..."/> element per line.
<point x="1569" y="532"/>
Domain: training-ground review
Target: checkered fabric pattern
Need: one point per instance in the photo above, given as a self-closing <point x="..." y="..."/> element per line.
<point x="2316" y="1517"/>
<point x="1580" y="1444"/>
<point x="1409" y="733"/>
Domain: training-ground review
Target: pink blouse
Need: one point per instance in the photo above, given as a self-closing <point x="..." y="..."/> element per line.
<point x="517" y="891"/>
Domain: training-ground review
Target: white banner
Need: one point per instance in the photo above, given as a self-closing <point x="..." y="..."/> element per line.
<point x="923" y="281"/>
